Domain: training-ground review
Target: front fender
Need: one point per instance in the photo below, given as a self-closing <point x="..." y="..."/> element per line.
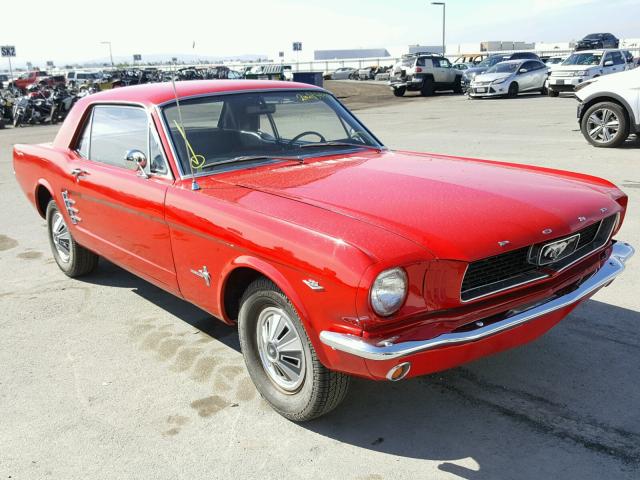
<point x="338" y="313"/>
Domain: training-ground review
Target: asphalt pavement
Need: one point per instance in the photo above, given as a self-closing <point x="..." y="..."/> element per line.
<point x="110" y="377"/>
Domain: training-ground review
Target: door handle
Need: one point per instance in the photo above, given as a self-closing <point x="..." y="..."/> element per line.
<point x="78" y="172"/>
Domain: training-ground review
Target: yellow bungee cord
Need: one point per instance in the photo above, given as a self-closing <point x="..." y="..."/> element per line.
<point x="197" y="161"/>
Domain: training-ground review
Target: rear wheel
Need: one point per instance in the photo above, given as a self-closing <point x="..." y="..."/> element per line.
<point x="73" y="259"/>
<point x="513" y="90"/>
<point x="281" y="359"/>
<point x="399" y="92"/>
<point x="552" y="93"/>
<point x="427" y="87"/>
<point x="605" y="125"/>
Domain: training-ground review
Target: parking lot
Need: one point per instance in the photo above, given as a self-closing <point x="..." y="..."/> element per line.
<point x="110" y="377"/>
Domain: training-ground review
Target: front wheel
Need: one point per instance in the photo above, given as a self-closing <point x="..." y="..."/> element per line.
<point x="605" y="125"/>
<point x="552" y="93"/>
<point x="281" y="359"/>
<point x="73" y="259"/>
<point x="513" y="90"/>
<point x="399" y="92"/>
<point x="457" y="85"/>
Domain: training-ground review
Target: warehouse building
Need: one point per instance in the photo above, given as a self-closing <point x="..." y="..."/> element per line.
<point x="350" y="53"/>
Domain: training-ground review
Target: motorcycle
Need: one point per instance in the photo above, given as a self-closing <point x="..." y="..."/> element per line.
<point x="6" y="109"/>
<point x="36" y="106"/>
<point x="62" y="100"/>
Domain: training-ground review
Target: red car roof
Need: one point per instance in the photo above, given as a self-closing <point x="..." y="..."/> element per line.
<point x="152" y="94"/>
<point x="156" y="93"/>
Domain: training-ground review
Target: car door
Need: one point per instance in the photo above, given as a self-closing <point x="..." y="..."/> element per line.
<point x="119" y="211"/>
<point x="525" y="76"/>
<point x="443" y="71"/>
<point x="619" y="62"/>
<point x="538" y="74"/>
<point x="607" y="63"/>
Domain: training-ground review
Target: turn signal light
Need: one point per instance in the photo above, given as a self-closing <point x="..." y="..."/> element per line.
<point x="399" y="372"/>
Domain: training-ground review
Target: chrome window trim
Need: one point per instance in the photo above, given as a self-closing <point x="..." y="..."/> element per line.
<point x="150" y="126"/>
<point x="167" y="132"/>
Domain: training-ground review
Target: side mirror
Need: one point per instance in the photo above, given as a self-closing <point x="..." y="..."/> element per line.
<point x="523" y="70"/>
<point x="136" y="160"/>
<point x="608" y="63"/>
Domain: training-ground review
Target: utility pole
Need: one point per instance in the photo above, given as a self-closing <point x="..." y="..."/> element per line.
<point x="444" y="9"/>
<point x="110" y="53"/>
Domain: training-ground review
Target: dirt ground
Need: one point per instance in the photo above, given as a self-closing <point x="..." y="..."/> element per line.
<point x="361" y="95"/>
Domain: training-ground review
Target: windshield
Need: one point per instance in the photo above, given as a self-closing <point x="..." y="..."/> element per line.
<point x="267" y="125"/>
<point x="594" y="36"/>
<point x="503" y="68"/>
<point x="491" y="61"/>
<point x="583" y="59"/>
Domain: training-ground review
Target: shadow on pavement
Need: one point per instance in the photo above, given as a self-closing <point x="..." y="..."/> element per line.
<point x="576" y="388"/>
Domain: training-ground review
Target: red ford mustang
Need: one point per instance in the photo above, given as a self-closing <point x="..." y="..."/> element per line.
<point x="271" y="206"/>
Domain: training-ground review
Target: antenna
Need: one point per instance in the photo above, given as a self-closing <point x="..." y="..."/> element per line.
<point x="183" y="132"/>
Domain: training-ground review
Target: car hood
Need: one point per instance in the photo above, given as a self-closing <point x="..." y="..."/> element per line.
<point x="476" y="70"/>
<point x="491" y="77"/>
<point x="456" y="208"/>
<point x="573" y="68"/>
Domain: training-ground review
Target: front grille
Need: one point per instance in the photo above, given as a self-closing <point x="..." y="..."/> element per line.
<point x="508" y="270"/>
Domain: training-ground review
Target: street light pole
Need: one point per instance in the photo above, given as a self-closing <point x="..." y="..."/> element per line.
<point x="110" y="53"/>
<point x="444" y="10"/>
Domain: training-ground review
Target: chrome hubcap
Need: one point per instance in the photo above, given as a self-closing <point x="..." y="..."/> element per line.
<point x="280" y="349"/>
<point x="61" y="237"/>
<point x="603" y="125"/>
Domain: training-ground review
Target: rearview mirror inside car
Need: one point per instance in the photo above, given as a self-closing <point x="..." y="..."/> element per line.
<point x="264" y="109"/>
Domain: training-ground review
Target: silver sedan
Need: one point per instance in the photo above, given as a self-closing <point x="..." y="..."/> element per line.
<point x="507" y="79"/>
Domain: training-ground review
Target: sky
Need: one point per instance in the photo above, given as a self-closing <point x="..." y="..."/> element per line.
<point x="264" y="27"/>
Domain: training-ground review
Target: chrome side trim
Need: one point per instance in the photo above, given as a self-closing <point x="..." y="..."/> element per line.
<point x="614" y="266"/>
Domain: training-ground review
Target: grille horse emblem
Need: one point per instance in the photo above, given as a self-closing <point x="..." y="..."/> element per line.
<point x="557" y="250"/>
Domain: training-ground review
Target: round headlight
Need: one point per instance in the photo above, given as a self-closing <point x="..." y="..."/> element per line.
<point x="389" y="291"/>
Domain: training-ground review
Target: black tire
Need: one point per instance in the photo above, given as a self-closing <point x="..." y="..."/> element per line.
<point x="620" y="135"/>
<point x="543" y="90"/>
<point x="513" y="90"/>
<point x="427" y="87"/>
<point x="80" y="261"/>
<point x="552" y="93"/>
<point x="399" y="92"/>
<point x="457" y="85"/>
<point x="1" y="124"/>
<point x="17" y="120"/>
<point x="322" y="389"/>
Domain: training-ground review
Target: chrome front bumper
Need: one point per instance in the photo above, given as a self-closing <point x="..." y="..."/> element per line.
<point x="614" y="266"/>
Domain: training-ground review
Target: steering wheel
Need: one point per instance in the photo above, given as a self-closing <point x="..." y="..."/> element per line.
<point x="304" y="134"/>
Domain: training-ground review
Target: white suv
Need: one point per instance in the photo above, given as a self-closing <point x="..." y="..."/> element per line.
<point x="582" y="66"/>
<point x="609" y="108"/>
<point x="425" y="73"/>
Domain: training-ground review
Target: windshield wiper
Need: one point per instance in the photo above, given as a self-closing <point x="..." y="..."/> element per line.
<point x="251" y="158"/>
<point x="339" y="144"/>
